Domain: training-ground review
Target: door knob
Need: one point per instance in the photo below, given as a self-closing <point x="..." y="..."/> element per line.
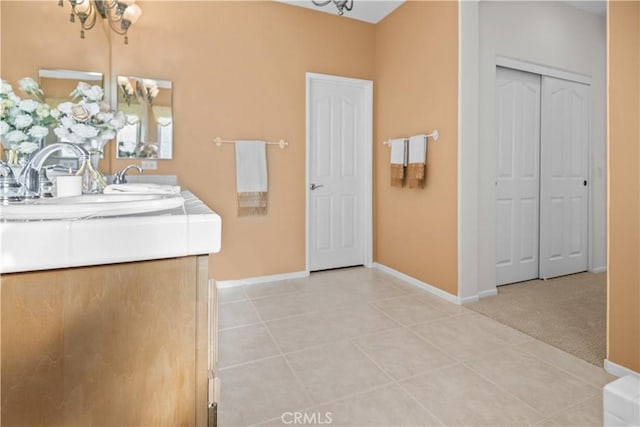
<point x="314" y="186"/>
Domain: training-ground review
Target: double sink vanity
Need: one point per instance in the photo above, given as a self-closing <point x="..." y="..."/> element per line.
<point x="108" y="314"/>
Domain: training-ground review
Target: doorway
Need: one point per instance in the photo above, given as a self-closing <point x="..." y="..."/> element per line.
<point x="542" y="209"/>
<point x="339" y="172"/>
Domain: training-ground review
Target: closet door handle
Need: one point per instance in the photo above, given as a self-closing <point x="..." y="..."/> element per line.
<point x="314" y="186"/>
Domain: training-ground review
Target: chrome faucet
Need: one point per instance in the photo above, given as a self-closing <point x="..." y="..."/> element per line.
<point x="120" y="177"/>
<point x="30" y="176"/>
<point x="9" y="187"/>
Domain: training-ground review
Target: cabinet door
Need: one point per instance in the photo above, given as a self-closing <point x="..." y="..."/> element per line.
<point x="122" y="344"/>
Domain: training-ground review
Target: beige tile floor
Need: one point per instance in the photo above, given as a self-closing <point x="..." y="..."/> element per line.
<point x="357" y="347"/>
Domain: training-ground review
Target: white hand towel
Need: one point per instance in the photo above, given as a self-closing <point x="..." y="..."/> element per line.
<point x="398" y="151"/>
<point x="398" y="161"/>
<point x="418" y="149"/>
<point x="141" y="188"/>
<point x="417" y="160"/>
<point x="251" y="177"/>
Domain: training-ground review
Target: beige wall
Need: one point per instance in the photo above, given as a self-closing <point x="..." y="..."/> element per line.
<point x="416" y="91"/>
<point x="238" y="71"/>
<point x="623" y="322"/>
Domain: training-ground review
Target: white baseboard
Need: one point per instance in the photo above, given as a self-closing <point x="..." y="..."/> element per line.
<point x="488" y="293"/>
<point x="422" y="285"/>
<point x="601" y="269"/>
<point x="618" y="370"/>
<point x="260" y="279"/>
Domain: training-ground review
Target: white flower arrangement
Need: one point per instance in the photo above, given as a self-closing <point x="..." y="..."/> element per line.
<point x="23" y="121"/>
<point x="89" y="121"/>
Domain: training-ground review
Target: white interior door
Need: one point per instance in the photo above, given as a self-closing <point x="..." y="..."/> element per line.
<point x="336" y="193"/>
<point x="564" y="196"/>
<point x="517" y="177"/>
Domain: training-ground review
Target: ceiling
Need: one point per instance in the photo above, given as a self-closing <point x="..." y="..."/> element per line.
<point x="597" y="7"/>
<point x="373" y="11"/>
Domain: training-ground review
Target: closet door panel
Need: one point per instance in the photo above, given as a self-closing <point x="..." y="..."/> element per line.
<point x="517" y="175"/>
<point x="564" y="172"/>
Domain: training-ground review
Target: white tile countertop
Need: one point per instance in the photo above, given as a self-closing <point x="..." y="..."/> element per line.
<point x="193" y="229"/>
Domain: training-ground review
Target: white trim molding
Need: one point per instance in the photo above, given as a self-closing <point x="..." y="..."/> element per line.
<point x="543" y="70"/>
<point x="488" y="293"/>
<point x="600" y="269"/>
<point x="468" y="148"/>
<point x="424" y="286"/>
<point x="618" y="370"/>
<point x="367" y="86"/>
<point x="220" y="284"/>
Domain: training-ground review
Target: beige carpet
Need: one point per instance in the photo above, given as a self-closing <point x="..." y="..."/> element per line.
<point x="567" y="312"/>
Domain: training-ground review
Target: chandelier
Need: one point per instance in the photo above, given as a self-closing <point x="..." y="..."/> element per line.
<point x="340" y="4"/>
<point x="120" y="14"/>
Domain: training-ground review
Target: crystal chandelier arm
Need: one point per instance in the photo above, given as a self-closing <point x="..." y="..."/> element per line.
<point x="120" y="14"/>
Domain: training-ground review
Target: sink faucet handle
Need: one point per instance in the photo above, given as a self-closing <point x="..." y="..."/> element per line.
<point x="120" y="177"/>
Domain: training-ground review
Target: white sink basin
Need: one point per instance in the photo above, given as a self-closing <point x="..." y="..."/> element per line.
<point x="89" y="205"/>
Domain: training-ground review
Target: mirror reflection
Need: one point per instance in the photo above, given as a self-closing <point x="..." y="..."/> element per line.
<point x="148" y="132"/>
<point x="57" y="86"/>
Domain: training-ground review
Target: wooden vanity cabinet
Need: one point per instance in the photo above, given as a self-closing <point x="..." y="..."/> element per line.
<point x="108" y="345"/>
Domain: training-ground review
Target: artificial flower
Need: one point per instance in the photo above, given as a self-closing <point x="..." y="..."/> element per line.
<point x="5" y="88"/>
<point x="89" y="120"/>
<point x="15" y="136"/>
<point x="28" y="105"/>
<point x="23" y="121"/>
<point x="27" y="85"/>
<point x="80" y="113"/>
<point x="88" y="92"/>
<point x="38" y="132"/>
<point x="28" y="147"/>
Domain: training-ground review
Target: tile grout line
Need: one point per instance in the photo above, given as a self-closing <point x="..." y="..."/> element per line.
<point x="597" y="387"/>
<point x="570" y="407"/>
<point x="499" y="387"/>
<point x="420" y="404"/>
<point x="244" y="325"/>
<point x="238" y="365"/>
<point x="284" y="358"/>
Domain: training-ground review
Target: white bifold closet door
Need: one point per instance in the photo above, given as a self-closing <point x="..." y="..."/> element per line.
<point x="566" y="111"/>
<point x="518" y="175"/>
<point x="542" y="167"/>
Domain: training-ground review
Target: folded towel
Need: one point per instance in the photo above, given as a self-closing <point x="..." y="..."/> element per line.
<point x="398" y="161"/>
<point x="251" y="177"/>
<point x="417" y="160"/>
<point x="141" y="188"/>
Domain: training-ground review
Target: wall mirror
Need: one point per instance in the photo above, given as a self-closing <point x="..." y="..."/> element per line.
<point x="57" y="86"/>
<point x="147" y="105"/>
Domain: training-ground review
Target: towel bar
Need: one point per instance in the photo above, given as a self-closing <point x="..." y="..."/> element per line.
<point x="219" y="141"/>
<point x="433" y="135"/>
